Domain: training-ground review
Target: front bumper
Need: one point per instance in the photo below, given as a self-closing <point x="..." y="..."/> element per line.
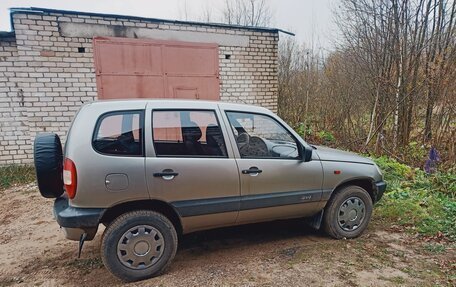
<point x="380" y="187"/>
<point x="77" y="221"/>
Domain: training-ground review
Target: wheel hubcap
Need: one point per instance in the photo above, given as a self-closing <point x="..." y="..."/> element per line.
<point x="140" y="247"/>
<point x="351" y="213"/>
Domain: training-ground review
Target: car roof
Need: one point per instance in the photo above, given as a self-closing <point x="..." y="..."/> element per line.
<point x="171" y="103"/>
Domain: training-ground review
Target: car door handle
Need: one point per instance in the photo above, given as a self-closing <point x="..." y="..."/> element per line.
<point x="166" y="174"/>
<point x="254" y="171"/>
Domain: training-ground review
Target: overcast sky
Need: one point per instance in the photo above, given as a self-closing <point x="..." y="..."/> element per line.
<point x="310" y="20"/>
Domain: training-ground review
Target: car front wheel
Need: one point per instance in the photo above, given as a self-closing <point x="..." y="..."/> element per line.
<point x="138" y="245"/>
<point x="348" y="212"/>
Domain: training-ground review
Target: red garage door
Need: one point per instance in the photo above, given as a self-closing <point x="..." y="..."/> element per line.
<point x="137" y="68"/>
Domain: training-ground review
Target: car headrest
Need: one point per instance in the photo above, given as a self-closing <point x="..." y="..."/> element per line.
<point x="213" y="132"/>
<point x="191" y="132"/>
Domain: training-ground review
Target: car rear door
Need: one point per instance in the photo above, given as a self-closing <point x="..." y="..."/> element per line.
<point x="107" y="147"/>
<point x="275" y="181"/>
<point x="190" y="165"/>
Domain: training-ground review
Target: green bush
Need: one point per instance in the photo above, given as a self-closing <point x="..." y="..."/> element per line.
<point x="445" y="182"/>
<point x="393" y="170"/>
<point x="419" y="201"/>
<point x="415" y="153"/>
<point x="11" y="175"/>
<point x="302" y="131"/>
<point x="395" y="173"/>
<point x="326" y="136"/>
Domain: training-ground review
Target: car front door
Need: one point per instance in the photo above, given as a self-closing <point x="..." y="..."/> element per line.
<point x="275" y="181"/>
<point x="191" y="166"/>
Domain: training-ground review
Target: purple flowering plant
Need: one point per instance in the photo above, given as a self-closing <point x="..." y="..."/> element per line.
<point x="430" y="165"/>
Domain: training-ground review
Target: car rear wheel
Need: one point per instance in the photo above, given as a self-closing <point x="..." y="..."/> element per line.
<point x="138" y="245"/>
<point x="348" y="212"/>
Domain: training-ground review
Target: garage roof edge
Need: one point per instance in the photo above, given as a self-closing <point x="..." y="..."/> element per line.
<point x="37" y="10"/>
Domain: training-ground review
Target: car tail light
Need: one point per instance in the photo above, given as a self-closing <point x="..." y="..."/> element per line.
<point x="70" y="177"/>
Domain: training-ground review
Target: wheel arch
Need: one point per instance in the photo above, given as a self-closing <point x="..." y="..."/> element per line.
<point x="366" y="183"/>
<point x="153" y="204"/>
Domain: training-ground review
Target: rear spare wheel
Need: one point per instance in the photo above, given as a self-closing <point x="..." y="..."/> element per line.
<point x="49" y="164"/>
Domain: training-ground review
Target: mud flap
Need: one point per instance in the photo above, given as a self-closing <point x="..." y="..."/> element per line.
<point x="81" y="243"/>
<point x="315" y="221"/>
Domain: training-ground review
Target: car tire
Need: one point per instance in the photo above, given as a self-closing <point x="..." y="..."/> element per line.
<point x="139" y="245"/>
<point x="48" y="158"/>
<point x="348" y="212"/>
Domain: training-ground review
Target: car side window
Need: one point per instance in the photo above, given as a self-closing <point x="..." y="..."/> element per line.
<point x="187" y="133"/>
<point x="119" y="133"/>
<point x="261" y="136"/>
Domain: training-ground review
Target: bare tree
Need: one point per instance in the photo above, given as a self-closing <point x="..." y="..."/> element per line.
<point x="207" y="13"/>
<point x="388" y="88"/>
<point x="247" y="13"/>
<point x="183" y="11"/>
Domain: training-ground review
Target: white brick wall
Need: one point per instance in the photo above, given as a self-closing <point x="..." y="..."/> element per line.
<point x="44" y="79"/>
<point x="13" y="121"/>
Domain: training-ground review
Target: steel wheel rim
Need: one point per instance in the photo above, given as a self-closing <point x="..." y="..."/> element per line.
<point x="140" y="247"/>
<point x="351" y="213"/>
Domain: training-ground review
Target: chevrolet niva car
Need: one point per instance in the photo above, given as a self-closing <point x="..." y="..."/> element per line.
<point x="150" y="170"/>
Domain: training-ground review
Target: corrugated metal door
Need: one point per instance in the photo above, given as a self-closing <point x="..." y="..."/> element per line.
<point x="137" y="68"/>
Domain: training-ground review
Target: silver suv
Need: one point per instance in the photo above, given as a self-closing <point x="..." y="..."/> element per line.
<point x="150" y="170"/>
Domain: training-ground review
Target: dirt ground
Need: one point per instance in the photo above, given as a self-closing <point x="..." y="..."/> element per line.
<point x="285" y="253"/>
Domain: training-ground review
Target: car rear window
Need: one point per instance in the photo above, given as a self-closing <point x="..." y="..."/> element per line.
<point x="119" y="133"/>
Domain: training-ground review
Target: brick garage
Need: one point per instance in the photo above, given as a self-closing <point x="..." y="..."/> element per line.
<point x="47" y="67"/>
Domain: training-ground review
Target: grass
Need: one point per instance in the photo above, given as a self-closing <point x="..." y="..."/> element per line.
<point x="12" y="175"/>
<point x="397" y="280"/>
<point x="419" y="202"/>
<point x="435" y="248"/>
<point x="87" y="264"/>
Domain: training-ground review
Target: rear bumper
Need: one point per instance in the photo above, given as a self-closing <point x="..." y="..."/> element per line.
<point x="77" y="221"/>
<point x="380" y="187"/>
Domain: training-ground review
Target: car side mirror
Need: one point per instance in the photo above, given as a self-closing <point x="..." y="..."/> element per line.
<point x="306" y="153"/>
